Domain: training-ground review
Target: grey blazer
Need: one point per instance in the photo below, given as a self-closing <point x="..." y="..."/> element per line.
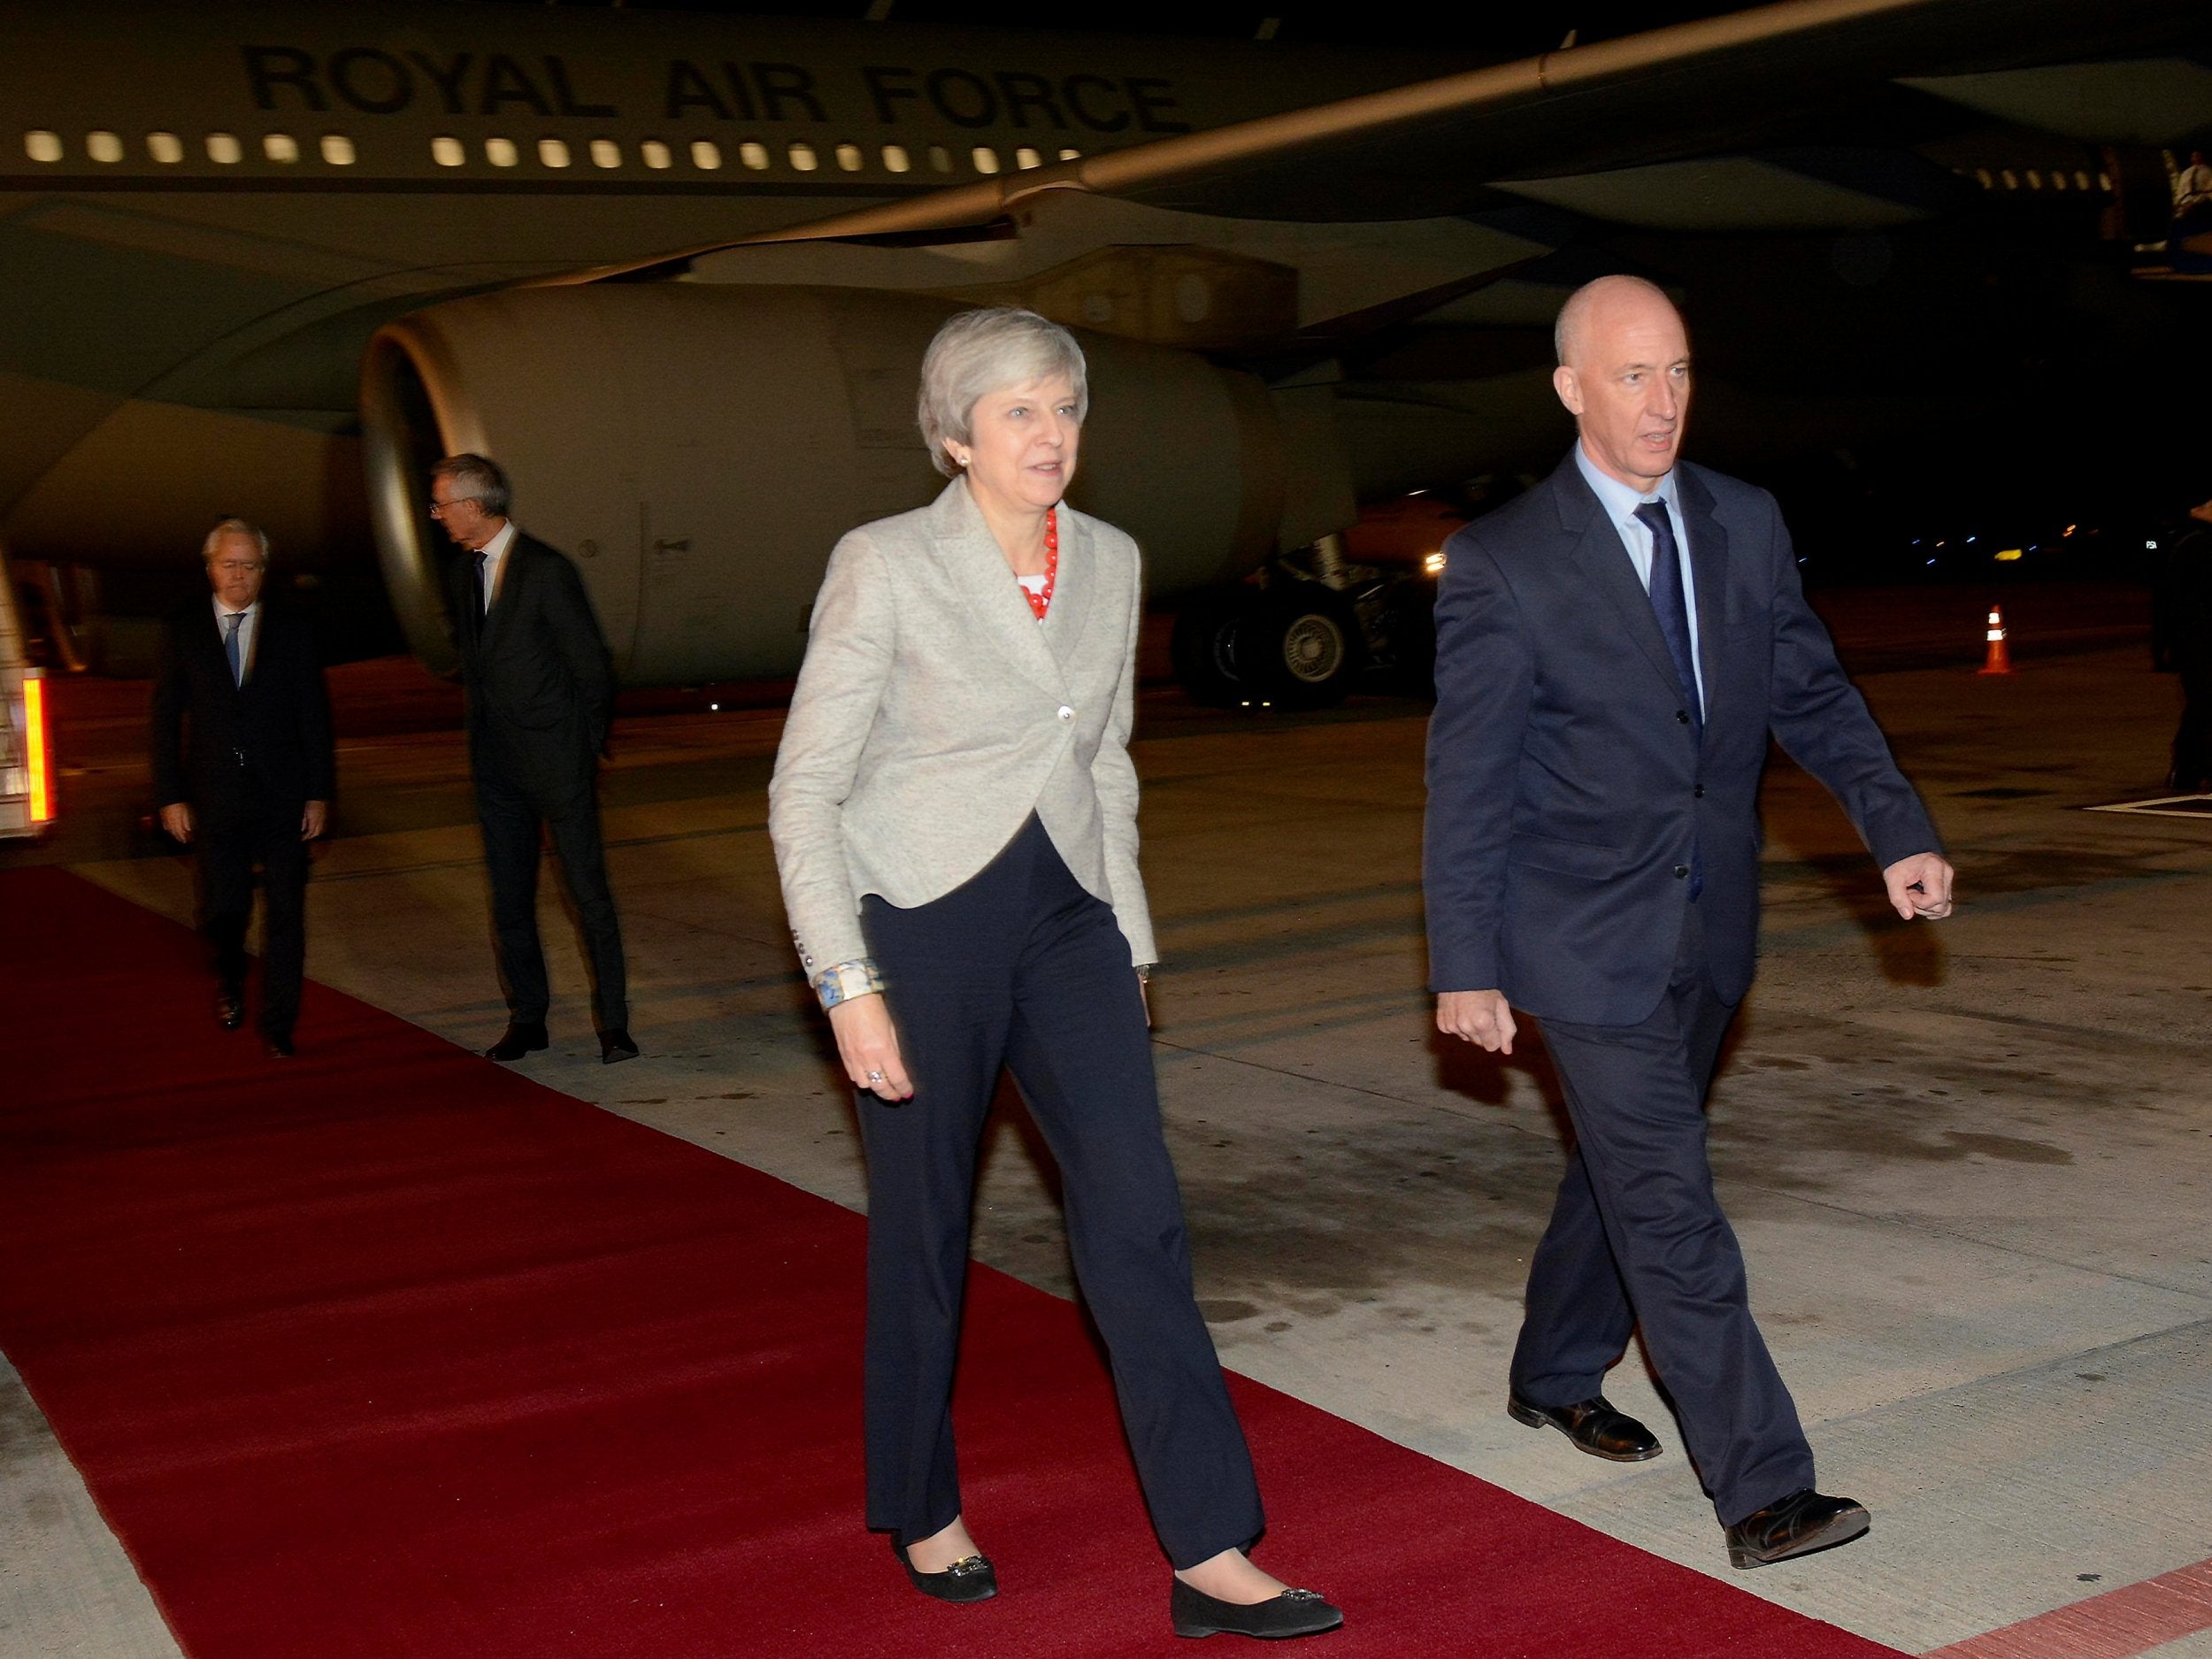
<point x="934" y="713"/>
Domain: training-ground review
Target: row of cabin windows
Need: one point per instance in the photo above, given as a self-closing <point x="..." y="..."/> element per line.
<point x="705" y="155"/>
<point x="2059" y="179"/>
<point x="227" y="150"/>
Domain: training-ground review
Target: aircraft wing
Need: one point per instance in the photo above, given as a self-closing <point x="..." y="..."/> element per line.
<point x="1676" y="128"/>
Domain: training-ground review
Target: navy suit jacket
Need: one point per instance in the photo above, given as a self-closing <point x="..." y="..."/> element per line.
<point x="1567" y="784"/>
<point x="539" y="685"/>
<point x="231" y="752"/>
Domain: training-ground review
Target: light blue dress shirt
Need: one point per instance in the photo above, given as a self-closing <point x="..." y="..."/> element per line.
<point x="1620" y="503"/>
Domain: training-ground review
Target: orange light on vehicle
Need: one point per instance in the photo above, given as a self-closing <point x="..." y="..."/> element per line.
<point x="34" y="735"/>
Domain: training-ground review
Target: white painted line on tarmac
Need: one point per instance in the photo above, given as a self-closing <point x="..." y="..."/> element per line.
<point x="2196" y="806"/>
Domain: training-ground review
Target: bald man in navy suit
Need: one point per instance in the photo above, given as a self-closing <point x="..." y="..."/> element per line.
<point x="1614" y="649"/>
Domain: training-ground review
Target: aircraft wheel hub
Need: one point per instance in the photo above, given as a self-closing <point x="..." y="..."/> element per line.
<point x="1313" y="649"/>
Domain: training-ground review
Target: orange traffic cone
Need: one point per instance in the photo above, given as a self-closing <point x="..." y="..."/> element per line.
<point x="2000" y="658"/>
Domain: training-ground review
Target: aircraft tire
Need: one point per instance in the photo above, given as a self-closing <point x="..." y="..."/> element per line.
<point x="1204" y="645"/>
<point x="1301" y="647"/>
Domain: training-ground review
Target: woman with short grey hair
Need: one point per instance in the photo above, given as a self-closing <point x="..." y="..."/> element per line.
<point x="954" y="812"/>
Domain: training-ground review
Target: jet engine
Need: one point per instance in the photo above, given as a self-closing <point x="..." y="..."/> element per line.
<point x="698" y="450"/>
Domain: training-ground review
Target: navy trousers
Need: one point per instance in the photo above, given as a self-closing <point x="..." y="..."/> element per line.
<point x="1020" y="969"/>
<point x="1638" y="1237"/>
<point x="514" y="819"/>
<point x="227" y="851"/>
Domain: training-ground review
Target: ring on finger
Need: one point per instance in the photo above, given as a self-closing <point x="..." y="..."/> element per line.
<point x="875" y="1077"/>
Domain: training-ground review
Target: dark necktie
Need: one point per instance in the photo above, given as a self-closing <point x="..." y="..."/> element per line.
<point x="230" y="646"/>
<point x="483" y="594"/>
<point x="1673" y="612"/>
<point x="1669" y="605"/>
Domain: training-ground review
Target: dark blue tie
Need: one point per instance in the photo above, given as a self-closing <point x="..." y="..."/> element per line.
<point x="1673" y="612"/>
<point x="483" y="594"/>
<point x="230" y="646"/>
<point x="1667" y="602"/>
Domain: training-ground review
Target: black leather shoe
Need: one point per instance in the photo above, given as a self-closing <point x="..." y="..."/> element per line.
<point x="276" y="1047"/>
<point x="1798" y="1525"/>
<point x="970" y="1579"/>
<point x="1292" y="1614"/>
<point x="1593" y="1425"/>
<point x="616" y="1045"/>
<point x="230" y="1010"/>
<point x="520" y="1040"/>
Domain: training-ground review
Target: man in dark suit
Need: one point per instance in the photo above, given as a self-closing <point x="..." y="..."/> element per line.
<point x="243" y="772"/>
<point x="1614" y="648"/>
<point x="539" y="690"/>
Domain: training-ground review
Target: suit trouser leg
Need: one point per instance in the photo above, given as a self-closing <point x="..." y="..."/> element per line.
<point x="576" y="839"/>
<point x="949" y="979"/>
<point x="512" y="834"/>
<point x="284" y="865"/>
<point x="1080" y="1049"/>
<point x="1636" y="1094"/>
<point x="223" y="853"/>
<point x="1578" y="1320"/>
<point x="1021" y="964"/>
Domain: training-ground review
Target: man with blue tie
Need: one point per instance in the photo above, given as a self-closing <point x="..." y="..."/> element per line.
<point x="243" y="772"/>
<point x="1614" y="649"/>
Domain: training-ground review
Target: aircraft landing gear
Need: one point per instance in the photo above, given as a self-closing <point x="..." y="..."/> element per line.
<point x="1301" y="647"/>
<point x="1310" y="631"/>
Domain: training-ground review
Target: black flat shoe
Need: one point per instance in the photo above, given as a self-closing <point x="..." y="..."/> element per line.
<point x="970" y="1579"/>
<point x="1797" y="1526"/>
<point x="518" y="1041"/>
<point x="615" y="1046"/>
<point x="1292" y="1614"/>
<point x="1592" y="1425"/>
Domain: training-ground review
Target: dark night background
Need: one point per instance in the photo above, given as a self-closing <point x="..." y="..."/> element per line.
<point x="2024" y="378"/>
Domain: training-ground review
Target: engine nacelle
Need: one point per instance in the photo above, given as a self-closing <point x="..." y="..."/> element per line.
<point x="699" y="449"/>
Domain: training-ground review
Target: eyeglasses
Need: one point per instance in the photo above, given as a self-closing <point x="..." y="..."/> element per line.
<point x="438" y="509"/>
<point x="236" y="566"/>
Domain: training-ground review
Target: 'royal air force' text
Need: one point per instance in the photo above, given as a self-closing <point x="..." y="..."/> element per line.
<point x="374" y="82"/>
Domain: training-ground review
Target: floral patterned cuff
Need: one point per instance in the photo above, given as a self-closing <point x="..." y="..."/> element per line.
<point x="846" y="980"/>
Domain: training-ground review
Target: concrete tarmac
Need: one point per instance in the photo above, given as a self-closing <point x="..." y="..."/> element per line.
<point x="1968" y="1161"/>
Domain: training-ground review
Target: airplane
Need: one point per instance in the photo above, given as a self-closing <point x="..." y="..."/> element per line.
<point x="676" y="272"/>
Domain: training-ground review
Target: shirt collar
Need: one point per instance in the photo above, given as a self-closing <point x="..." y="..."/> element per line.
<point x="222" y="610"/>
<point x="1619" y="500"/>
<point x="497" y="547"/>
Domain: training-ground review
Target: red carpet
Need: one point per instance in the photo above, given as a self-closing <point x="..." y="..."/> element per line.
<point x="390" y="1352"/>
